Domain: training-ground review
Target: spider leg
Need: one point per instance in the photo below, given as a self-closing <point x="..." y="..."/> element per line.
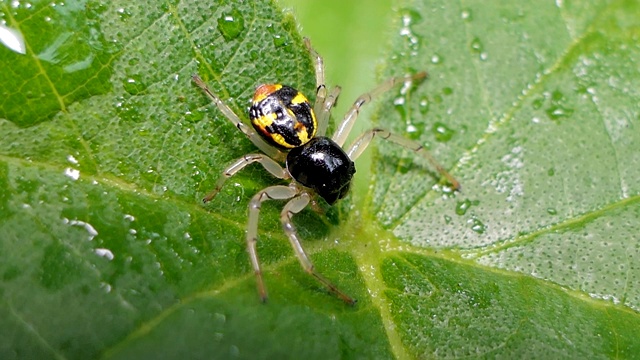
<point x="361" y="143"/>
<point x="277" y="192"/>
<point x="229" y="114"/>
<point x="269" y="164"/>
<point x="340" y="136"/>
<point x="321" y="89"/>
<point x="293" y="207"/>
<point x="323" y="104"/>
<point x="325" y="111"/>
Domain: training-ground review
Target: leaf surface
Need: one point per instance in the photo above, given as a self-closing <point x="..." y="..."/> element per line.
<point x="107" y="148"/>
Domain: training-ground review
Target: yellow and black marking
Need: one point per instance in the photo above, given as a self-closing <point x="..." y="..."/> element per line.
<point x="282" y="116"/>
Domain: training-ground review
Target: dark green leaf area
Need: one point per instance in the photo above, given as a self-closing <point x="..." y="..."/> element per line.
<point x="231" y="323"/>
<point x="154" y="128"/>
<point x="132" y="269"/>
<point x="447" y="309"/>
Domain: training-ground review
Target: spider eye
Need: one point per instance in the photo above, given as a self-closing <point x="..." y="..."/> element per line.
<point x="282" y="116"/>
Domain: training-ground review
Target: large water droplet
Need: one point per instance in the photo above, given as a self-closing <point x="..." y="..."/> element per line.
<point x="133" y="84"/>
<point x="123" y="14"/>
<point x="462" y="207"/>
<point x="557" y="108"/>
<point x="278" y="39"/>
<point x="476" y="45"/>
<point x="231" y="24"/>
<point x="556" y="112"/>
<point x="424" y="106"/>
<point x="442" y="132"/>
<point x="12" y="39"/>
<point x="537" y="103"/>
<point x="466" y="15"/>
<point x="478" y="226"/>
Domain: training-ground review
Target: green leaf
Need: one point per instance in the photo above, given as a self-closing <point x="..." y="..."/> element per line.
<point x="107" y="148"/>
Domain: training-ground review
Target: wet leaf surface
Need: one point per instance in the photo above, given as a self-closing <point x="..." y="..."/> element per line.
<point x="107" y="147"/>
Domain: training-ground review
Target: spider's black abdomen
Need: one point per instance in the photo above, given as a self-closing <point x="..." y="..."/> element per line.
<point x="323" y="166"/>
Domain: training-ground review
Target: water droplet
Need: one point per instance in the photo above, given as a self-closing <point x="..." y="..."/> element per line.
<point x="410" y="17"/>
<point x="551" y="172"/>
<point x="552" y="211"/>
<point x="231" y="24"/>
<point x="12" y="39"/>
<point x="124" y="14"/>
<point x="133" y="85"/>
<point x="447" y="219"/>
<point x="234" y="351"/>
<point x="424" y="106"/>
<point x="462" y="207"/>
<point x="556" y="112"/>
<point x="447" y="91"/>
<point x="436" y="59"/>
<point x="220" y="319"/>
<point x="400" y="108"/>
<point x="466" y="15"/>
<point x="476" y="45"/>
<point x="557" y="95"/>
<point x="279" y="40"/>
<point x="537" y="103"/>
<point x="442" y="132"/>
<point x="478" y="226"/>
<point x="557" y="108"/>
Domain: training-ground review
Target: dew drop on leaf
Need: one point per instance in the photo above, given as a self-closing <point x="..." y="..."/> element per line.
<point x="231" y="25"/>
<point x="466" y="15"/>
<point x="477" y="226"/>
<point x="556" y="112"/>
<point x="462" y="207"/>
<point x="442" y="132"/>
<point x="124" y="14"/>
<point x="133" y="84"/>
<point x="424" y="106"/>
<point x="279" y="40"/>
<point x="476" y="45"/>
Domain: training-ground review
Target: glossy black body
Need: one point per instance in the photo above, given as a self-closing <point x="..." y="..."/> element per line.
<point x="323" y="166"/>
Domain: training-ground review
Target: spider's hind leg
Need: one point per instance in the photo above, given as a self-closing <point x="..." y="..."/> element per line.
<point x="293" y="207"/>
<point x="277" y="192"/>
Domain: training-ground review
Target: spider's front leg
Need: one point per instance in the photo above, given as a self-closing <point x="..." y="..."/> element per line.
<point x="324" y="103"/>
<point x="293" y="207"/>
<point x="344" y="128"/>
<point x="269" y="164"/>
<point x="363" y="141"/>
